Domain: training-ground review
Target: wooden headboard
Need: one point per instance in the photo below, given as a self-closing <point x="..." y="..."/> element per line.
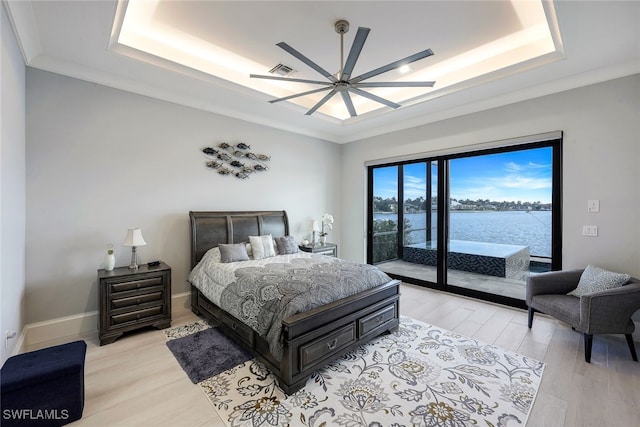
<point x="209" y="229"/>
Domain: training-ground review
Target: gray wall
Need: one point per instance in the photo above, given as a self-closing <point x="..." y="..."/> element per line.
<point x="12" y="187"/>
<point x="100" y="160"/>
<point x="601" y="125"/>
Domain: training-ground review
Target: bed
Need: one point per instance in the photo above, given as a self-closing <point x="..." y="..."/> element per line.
<point x="309" y="340"/>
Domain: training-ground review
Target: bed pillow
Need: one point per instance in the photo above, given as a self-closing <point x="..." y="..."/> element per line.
<point x="262" y="246"/>
<point x="595" y="279"/>
<point x="233" y="252"/>
<point x="286" y="245"/>
<point x="212" y="255"/>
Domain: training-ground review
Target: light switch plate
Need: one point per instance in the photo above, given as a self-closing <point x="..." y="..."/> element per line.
<point x="590" y="230"/>
<point x="593" y="206"/>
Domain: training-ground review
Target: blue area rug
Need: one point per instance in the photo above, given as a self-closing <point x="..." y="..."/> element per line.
<point x="204" y="351"/>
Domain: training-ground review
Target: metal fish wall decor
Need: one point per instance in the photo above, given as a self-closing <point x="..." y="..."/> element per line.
<point x="225" y="159"/>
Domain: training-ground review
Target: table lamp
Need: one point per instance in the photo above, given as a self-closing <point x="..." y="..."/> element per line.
<point x="316" y="229"/>
<point x="134" y="239"/>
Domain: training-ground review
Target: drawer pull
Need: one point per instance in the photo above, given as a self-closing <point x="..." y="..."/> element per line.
<point x="234" y="326"/>
<point x="331" y="345"/>
<point x="380" y="319"/>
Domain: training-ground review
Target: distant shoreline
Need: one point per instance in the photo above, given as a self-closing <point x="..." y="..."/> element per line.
<point x="467" y="210"/>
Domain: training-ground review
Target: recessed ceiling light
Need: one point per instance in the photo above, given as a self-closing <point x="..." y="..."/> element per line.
<point x="404" y="69"/>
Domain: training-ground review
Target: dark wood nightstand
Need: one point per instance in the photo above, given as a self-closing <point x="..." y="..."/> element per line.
<point x="132" y="299"/>
<point x="330" y="249"/>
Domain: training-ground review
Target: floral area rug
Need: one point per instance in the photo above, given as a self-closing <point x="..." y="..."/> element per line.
<point x="420" y="375"/>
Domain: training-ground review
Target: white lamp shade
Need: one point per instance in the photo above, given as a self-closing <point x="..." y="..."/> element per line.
<point x="315" y="226"/>
<point x="134" y="238"/>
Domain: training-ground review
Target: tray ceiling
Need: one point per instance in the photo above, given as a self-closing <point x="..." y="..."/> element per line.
<point x="200" y="53"/>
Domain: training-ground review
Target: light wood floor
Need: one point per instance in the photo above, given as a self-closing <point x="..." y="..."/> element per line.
<point x="136" y="381"/>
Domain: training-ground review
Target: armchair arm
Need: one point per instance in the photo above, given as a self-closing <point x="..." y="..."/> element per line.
<point x="608" y="312"/>
<point x="553" y="282"/>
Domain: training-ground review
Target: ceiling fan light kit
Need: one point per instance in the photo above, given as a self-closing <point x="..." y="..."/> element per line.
<point x="342" y="82"/>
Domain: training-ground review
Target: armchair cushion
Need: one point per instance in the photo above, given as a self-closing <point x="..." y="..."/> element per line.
<point x="596" y="279"/>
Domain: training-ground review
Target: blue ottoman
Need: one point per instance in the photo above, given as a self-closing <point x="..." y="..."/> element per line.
<point x="43" y="387"/>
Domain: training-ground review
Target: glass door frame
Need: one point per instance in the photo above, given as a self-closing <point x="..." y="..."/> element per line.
<point x="443" y="215"/>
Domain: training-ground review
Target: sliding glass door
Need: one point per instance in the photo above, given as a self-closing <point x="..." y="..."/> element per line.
<point x="383" y="229"/>
<point x="420" y="207"/>
<point x="474" y="223"/>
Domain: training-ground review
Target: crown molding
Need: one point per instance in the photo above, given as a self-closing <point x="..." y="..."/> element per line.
<point x="23" y="21"/>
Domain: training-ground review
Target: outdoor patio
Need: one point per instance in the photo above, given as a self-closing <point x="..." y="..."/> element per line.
<point x="491" y="284"/>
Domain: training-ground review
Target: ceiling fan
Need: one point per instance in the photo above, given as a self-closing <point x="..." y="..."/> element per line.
<point x="342" y="82"/>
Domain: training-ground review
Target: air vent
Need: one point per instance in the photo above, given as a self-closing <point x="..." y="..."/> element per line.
<point x="282" y="70"/>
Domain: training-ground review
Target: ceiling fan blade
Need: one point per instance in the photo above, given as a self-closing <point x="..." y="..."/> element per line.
<point x="354" y="53"/>
<point x="321" y="103"/>
<point x="394" y="84"/>
<point x="393" y="65"/>
<point x="306" y="60"/>
<point x="348" y="103"/>
<point x="300" y="94"/>
<point x="288" y="79"/>
<point x="374" y="97"/>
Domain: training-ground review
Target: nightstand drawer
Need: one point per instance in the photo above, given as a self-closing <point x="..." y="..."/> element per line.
<point x="328" y="252"/>
<point x="137" y="315"/>
<point x="135" y="284"/>
<point x="329" y="249"/>
<point x="136" y="300"/>
<point x="316" y="350"/>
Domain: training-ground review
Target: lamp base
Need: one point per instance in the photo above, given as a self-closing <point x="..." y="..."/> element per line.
<point x="134" y="259"/>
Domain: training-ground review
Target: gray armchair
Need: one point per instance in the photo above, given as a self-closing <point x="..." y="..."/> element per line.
<point x="605" y="312"/>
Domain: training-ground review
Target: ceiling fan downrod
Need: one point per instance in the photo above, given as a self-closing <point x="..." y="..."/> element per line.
<point x="342" y="27"/>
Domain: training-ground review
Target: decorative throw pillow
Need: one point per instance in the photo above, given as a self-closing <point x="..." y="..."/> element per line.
<point x="595" y="279"/>
<point x="233" y="252"/>
<point x="286" y="245"/>
<point x="262" y="246"/>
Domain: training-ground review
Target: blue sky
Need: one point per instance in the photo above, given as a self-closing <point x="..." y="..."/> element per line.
<point x="520" y="175"/>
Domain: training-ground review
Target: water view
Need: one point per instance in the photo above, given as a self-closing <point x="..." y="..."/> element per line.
<point x="526" y="228"/>
<point x="499" y="219"/>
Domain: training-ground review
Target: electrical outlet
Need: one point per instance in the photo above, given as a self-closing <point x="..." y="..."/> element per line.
<point x="593" y="206"/>
<point x="590" y="230"/>
<point x="7" y="336"/>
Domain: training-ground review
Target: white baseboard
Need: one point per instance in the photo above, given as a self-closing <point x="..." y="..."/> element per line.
<point x="79" y="324"/>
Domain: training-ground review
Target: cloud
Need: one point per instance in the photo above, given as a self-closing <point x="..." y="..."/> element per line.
<point x="522" y="182"/>
<point x="538" y="165"/>
<point x="512" y="167"/>
<point x="510" y="187"/>
<point x="414" y="187"/>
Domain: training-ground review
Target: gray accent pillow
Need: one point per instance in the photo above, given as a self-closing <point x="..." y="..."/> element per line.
<point x="286" y="245"/>
<point x="596" y="279"/>
<point x="233" y="252"/>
